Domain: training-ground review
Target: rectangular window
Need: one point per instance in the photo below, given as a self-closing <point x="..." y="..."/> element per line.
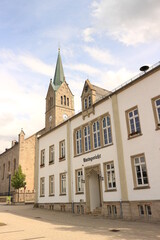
<point x="114" y="210"/>
<point x="42" y="158"/>
<point x="156" y="110"/>
<point x="89" y="101"/>
<point x="78" y="142"/>
<point x="96" y="134"/>
<point x="110" y="176"/>
<point x="107" y="135"/>
<point x="51" y="185"/>
<point x="42" y="187"/>
<point x="79" y="178"/>
<point x="133" y="122"/>
<point x="51" y="154"/>
<point x="141" y="210"/>
<point x="148" y="210"/>
<point x="109" y="210"/>
<point x="62" y="150"/>
<point x="87" y="139"/>
<point x="63" y="183"/>
<point x="140" y="171"/>
<point x="85" y="103"/>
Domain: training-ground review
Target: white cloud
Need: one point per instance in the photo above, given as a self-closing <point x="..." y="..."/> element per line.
<point x="87" y="69"/>
<point x="87" y="34"/>
<point x="102" y="56"/>
<point x="130" y="22"/>
<point x="17" y="61"/>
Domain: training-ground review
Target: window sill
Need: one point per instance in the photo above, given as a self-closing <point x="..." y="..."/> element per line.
<point x="62" y="194"/>
<point x="50" y="163"/>
<point x="42" y="195"/>
<point x="141" y="187"/>
<point x="51" y="195"/>
<point x="79" y="193"/>
<point x="111" y="190"/>
<point x="134" y="135"/>
<point x="62" y="159"/>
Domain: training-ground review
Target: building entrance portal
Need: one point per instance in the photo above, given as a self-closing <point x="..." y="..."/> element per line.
<point x="93" y="188"/>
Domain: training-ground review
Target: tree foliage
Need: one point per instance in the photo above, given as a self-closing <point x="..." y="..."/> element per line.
<point x="18" y="179"/>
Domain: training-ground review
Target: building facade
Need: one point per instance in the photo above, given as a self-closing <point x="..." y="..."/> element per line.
<point x="22" y="152"/>
<point x="105" y="159"/>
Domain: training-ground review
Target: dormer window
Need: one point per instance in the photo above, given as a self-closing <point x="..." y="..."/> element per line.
<point x="89" y="101"/>
<point x="85" y="103"/>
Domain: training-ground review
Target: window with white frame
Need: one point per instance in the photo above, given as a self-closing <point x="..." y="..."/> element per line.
<point x="51" y="154"/>
<point x="133" y="121"/>
<point x="62" y="150"/>
<point x="43" y="157"/>
<point x="141" y="210"/>
<point x="140" y="171"/>
<point x="42" y="186"/>
<point x="85" y="103"/>
<point x="148" y="210"/>
<point x="156" y="110"/>
<point x="87" y="139"/>
<point x="110" y="176"/>
<point x="51" y="185"/>
<point x="107" y="134"/>
<point x="63" y="183"/>
<point x="157" y="105"/>
<point x="78" y="142"/>
<point x="96" y="135"/>
<point x="79" y="178"/>
<point x="89" y="101"/>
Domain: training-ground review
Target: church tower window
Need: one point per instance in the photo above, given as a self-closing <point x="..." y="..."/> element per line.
<point x="64" y="100"/>
<point x="67" y="101"/>
<point x="61" y="100"/>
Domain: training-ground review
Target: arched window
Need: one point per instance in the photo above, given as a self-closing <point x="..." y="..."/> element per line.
<point x="64" y="100"/>
<point x="61" y="100"/>
<point x="67" y="101"/>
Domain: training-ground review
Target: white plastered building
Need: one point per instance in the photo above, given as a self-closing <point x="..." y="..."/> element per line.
<point x="105" y="159"/>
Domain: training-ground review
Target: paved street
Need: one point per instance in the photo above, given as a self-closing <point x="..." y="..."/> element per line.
<point x="26" y="223"/>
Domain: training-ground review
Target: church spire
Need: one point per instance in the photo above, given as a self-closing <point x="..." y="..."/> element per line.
<point x="59" y="74"/>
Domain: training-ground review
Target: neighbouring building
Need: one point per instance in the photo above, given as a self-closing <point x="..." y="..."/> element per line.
<point x="105" y="159"/>
<point x="22" y="152"/>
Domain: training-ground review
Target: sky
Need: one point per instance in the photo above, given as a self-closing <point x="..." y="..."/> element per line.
<point x="106" y="41"/>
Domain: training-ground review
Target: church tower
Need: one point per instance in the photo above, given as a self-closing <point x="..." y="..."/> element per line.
<point x="59" y="99"/>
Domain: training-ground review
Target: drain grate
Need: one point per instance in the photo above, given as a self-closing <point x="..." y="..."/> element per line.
<point x="114" y="230"/>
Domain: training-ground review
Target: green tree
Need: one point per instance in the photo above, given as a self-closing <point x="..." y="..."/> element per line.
<point x="18" y="180"/>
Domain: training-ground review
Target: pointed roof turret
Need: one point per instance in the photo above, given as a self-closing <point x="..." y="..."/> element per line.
<point x="59" y="74"/>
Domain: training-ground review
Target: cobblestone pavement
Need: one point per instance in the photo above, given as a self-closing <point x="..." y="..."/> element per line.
<point x="23" y="222"/>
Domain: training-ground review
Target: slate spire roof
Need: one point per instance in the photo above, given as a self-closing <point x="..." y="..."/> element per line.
<point x="59" y="74"/>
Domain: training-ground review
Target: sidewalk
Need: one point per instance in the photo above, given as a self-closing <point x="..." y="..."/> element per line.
<point x="26" y="223"/>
